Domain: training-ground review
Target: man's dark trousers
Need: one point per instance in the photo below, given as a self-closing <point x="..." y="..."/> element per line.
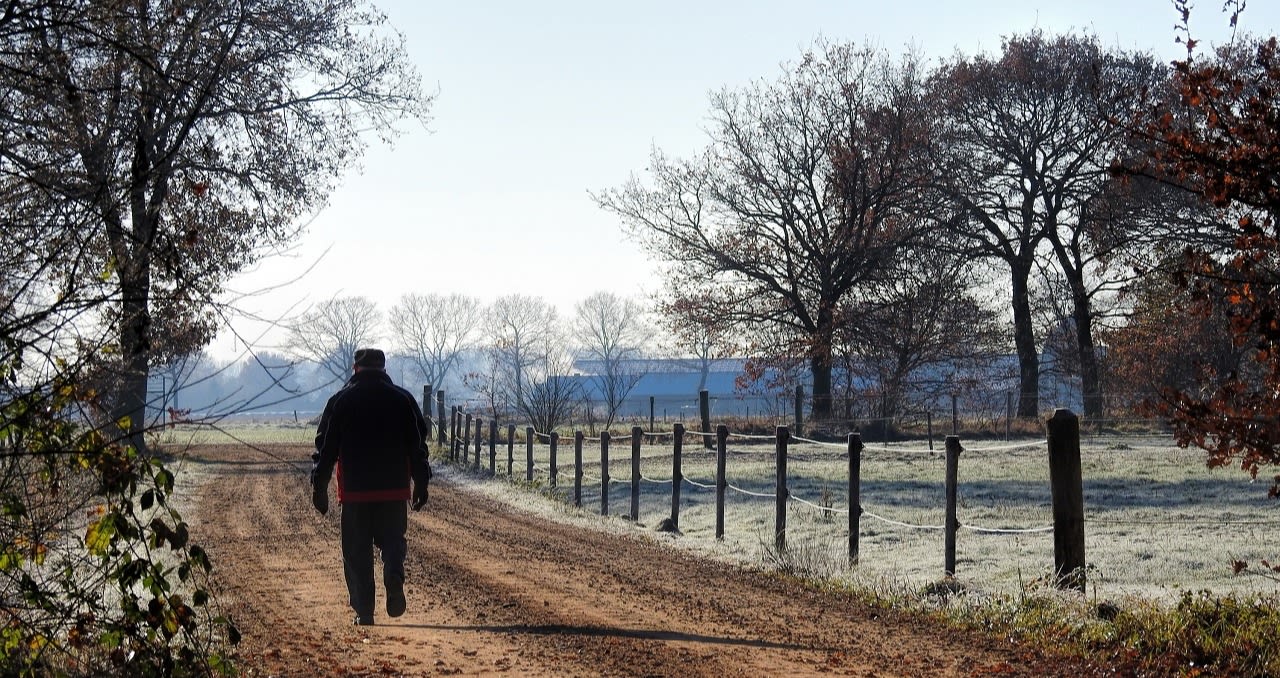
<point x="364" y="525"/>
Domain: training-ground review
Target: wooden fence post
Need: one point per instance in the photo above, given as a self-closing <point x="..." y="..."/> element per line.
<point x="604" y="473"/>
<point x="440" y="413"/>
<point x="426" y="411"/>
<point x="780" y="495"/>
<point x="493" y="447"/>
<point x="528" y="453"/>
<point x="457" y="436"/>
<point x="1008" y="413"/>
<point x="799" y="410"/>
<point x="651" y="413"/>
<point x="636" y="432"/>
<point x="704" y="412"/>
<point x="953" y="523"/>
<point x="677" y="472"/>
<point x="577" y="468"/>
<point x="722" y="452"/>
<point x="955" y="416"/>
<point x="479" y="424"/>
<point x="1067" y="490"/>
<point x="511" y="448"/>
<point x="855" y="494"/>
<point x="454" y="415"/>
<point x="553" y="442"/>
<point x="928" y="418"/>
<point x="466" y="439"/>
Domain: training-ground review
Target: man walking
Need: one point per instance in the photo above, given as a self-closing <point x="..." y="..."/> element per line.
<point x="374" y="434"/>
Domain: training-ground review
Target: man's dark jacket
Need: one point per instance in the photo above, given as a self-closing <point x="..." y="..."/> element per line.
<point x="373" y="433"/>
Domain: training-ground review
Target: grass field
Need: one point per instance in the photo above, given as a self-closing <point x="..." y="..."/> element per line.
<point x="1158" y="522"/>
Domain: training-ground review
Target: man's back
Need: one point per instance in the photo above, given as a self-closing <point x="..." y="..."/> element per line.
<point x="374" y="432"/>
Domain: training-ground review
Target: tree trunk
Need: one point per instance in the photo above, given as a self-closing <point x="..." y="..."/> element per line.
<point x="820" y="365"/>
<point x="135" y="351"/>
<point x="1090" y="381"/>
<point x="1072" y="266"/>
<point x="1024" y="340"/>
<point x="821" y="359"/>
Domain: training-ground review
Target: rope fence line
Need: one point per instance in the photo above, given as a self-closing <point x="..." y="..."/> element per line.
<point x="1006" y="530"/>
<point x="749" y="493"/>
<point x="1006" y="448"/>
<point x="906" y="450"/>
<point x="613" y="480"/>
<point x="825" y="509"/>
<point x="974" y="528"/>
<point x="596" y="480"/>
<point x="747" y="436"/>
<point x="820" y="443"/>
<point x="899" y="523"/>
<point x="1068" y="523"/>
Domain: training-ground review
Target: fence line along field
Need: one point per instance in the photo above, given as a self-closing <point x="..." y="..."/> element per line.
<point x="1158" y="522"/>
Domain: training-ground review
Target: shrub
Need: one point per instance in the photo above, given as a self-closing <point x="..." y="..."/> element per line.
<point x="98" y="573"/>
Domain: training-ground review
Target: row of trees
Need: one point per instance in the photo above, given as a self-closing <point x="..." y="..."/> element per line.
<point x="1142" y="197"/>
<point x="863" y="194"/>
<point x="511" y="352"/>
<point x="872" y="216"/>
<point x="518" y="356"/>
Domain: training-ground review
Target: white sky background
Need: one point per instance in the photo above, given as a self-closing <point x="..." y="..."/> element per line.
<point x="540" y="102"/>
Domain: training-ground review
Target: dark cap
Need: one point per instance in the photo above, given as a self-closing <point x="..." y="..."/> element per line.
<point x="370" y="357"/>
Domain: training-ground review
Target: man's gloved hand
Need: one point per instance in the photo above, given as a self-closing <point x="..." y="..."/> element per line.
<point x="419" y="496"/>
<point x="320" y="499"/>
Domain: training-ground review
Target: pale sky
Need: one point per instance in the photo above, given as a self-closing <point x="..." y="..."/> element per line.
<point x="540" y="102"/>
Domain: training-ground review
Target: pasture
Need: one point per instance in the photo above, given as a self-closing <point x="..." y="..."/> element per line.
<point x="1158" y="522"/>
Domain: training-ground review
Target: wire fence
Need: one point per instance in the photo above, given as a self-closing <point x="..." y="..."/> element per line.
<point x="1157" y="523"/>
<point x="543" y="460"/>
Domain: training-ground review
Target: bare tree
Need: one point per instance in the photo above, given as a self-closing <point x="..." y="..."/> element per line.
<point x="551" y="395"/>
<point x="191" y="136"/>
<point x="611" y="332"/>
<point x="692" y="333"/>
<point x="329" y="334"/>
<point x="521" y="332"/>
<point x="435" y="330"/>
<point x="793" y="207"/>
<point x="1026" y="153"/>
<point x="928" y="315"/>
<point x="487" y="382"/>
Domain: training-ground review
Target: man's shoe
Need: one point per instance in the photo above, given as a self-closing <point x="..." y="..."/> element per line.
<point x="362" y="620"/>
<point x="396" y="603"/>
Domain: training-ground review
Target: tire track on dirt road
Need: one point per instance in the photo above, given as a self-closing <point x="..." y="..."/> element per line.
<point x="493" y="590"/>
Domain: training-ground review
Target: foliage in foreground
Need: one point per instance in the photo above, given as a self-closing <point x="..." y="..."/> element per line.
<point x="98" y="574"/>
<point x="1202" y="635"/>
<point x="1224" y="146"/>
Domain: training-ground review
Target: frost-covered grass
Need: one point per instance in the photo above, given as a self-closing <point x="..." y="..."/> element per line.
<point x="1158" y="522"/>
<point x="235" y="431"/>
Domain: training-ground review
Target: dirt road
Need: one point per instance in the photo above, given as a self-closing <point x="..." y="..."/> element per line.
<point x="494" y="591"/>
